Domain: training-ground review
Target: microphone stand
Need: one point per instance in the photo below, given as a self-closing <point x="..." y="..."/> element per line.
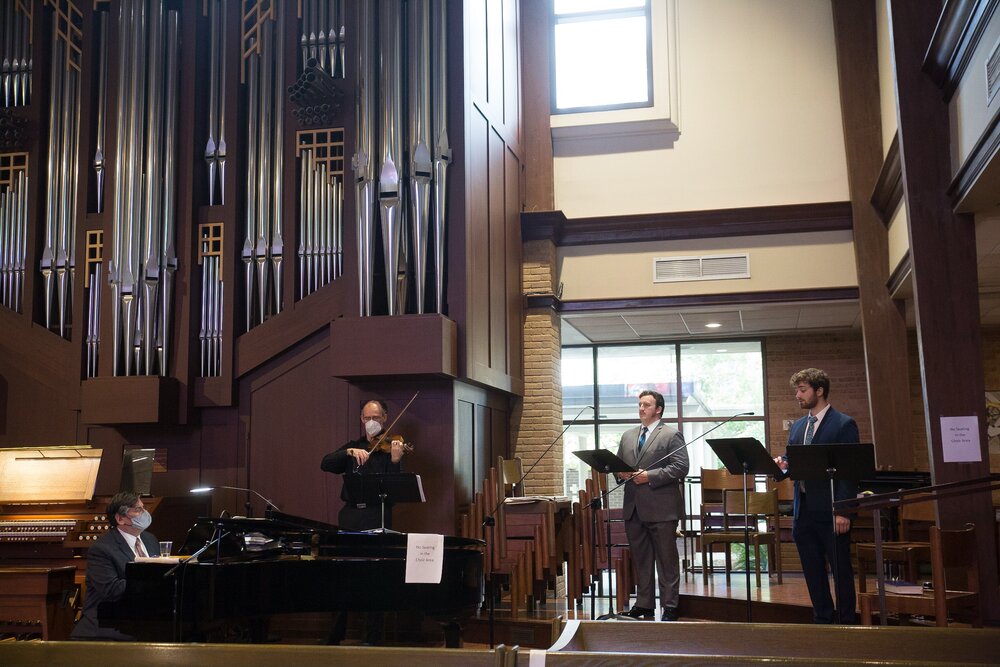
<point x="216" y="538"/>
<point x="490" y="520"/>
<point x="596" y="503"/>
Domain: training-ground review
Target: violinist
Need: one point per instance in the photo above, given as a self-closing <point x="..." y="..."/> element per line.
<point x="373" y="453"/>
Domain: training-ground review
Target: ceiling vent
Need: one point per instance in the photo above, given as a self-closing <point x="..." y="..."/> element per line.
<point x="993" y="73"/>
<point x="708" y="267"/>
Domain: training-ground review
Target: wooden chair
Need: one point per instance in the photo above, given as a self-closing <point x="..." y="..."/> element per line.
<point x="907" y="553"/>
<point x="512" y="472"/>
<point x="714" y="482"/>
<point x="760" y="506"/>
<point x="950" y="550"/>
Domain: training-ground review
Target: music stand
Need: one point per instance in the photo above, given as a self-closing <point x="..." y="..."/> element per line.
<point x="833" y="462"/>
<point x="605" y="461"/>
<point x="393" y="487"/>
<point x="744" y="456"/>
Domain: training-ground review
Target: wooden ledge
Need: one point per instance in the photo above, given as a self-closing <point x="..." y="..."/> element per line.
<point x="398" y="345"/>
<point x="146" y="399"/>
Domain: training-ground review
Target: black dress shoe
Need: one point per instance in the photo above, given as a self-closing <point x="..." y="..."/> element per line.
<point x="668" y="614"/>
<point x="641" y="613"/>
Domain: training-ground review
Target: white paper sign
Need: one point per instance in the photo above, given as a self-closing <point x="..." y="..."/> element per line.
<point x="424" y="558"/>
<point x="960" y="439"/>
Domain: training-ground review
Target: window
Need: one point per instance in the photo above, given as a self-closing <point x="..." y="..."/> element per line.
<point x="702" y="384"/>
<point x="602" y="55"/>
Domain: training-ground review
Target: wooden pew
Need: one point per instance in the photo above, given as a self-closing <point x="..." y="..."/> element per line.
<point x="102" y="654"/>
<point x="799" y="644"/>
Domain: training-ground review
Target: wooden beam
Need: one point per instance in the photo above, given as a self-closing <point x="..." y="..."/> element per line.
<point x="883" y="325"/>
<point x="946" y="289"/>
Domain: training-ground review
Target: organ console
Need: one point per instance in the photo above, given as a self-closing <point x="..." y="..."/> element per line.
<point x="49" y="516"/>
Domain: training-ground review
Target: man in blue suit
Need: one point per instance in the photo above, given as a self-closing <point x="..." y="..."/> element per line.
<point x="813" y="527"/>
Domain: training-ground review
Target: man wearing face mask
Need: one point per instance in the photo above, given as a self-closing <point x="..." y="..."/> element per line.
<point x="127" y="538"/>
<point x="355" y="457"/>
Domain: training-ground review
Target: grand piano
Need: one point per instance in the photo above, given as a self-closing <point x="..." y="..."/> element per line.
<point x="252" y="569"/>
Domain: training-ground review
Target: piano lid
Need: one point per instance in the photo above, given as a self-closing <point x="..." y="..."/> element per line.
<point x="48" y="474"/>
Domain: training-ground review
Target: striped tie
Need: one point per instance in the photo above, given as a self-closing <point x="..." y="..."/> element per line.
<point x="810" y="430"/>
<point x="642" y="440"/>
<point x="140" y="552"/>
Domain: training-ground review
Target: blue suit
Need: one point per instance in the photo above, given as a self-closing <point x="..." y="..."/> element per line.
<point x="813" y="526"/>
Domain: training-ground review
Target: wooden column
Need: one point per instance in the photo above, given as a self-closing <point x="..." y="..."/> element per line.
<point x="536" y="34"/>
<point x="883" y="324"/>
<point x="946" y="292"/>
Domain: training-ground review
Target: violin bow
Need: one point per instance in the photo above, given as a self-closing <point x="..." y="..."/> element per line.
<point x="386" y="431"/>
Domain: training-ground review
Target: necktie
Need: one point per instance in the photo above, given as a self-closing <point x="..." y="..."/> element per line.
<point x="810" y="430"/>
<point x="642" y="440"/>
<point x="138" y="548"/>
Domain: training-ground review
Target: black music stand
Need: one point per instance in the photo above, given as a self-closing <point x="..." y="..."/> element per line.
<point x="604" y="461"/>
<point x="833" y="462"/>
<point x="744" y="456"/>
<point x="392" y="487"/>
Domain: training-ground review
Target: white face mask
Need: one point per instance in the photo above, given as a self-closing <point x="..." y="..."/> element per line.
<point x="143" y="521"/>
<point x="372" y="428"/>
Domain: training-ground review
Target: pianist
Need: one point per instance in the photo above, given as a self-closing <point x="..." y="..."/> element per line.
<point x="356" y="457"/>
<point x="106" y="560"/>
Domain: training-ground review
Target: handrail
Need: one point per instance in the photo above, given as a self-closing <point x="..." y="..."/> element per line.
<point x="876" y="503"/>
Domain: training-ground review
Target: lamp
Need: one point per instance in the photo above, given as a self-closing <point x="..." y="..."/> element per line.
<point x="267" y="511"/>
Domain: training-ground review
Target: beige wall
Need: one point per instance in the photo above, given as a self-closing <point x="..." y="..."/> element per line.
<point x="760" y="119"/>
<point x="886" y="76"/>
<point x="899" y="237"/>
<point x="781" y="262"/>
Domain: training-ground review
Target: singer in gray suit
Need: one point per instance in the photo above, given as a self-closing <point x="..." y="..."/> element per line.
<point x="653" y="506"/>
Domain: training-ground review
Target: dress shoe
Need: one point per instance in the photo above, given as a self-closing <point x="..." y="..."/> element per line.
<point x="641" y="613"/>
<point x="668" y="614"/>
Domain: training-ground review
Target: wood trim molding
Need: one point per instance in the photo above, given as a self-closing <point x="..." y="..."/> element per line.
<point x="732" y="299"/>
<point x="686" y="225"/>
<point x="899" y="275"/>
<point x="976" y="163"/>
<point x="959" y="30"/>
<point x="888" y="192"/>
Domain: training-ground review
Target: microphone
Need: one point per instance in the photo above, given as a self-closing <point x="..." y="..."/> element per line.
<point x="596" y="502"/>
<point x="490" y="518"/>
<point x="268" y="501"/>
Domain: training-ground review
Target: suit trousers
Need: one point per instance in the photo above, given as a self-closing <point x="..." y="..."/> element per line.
<point x="813" y="535"/>
<point x="654" y="543"/>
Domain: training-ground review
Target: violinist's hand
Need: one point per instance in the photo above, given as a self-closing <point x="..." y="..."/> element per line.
<point x="360" y="455"/>
<point x="397" y="449"/>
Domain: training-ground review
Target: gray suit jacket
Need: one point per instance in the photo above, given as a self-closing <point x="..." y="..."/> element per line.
<point x="661" y="498"/>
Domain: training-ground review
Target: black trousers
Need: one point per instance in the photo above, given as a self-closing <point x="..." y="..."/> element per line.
<point x="813" y="535"/>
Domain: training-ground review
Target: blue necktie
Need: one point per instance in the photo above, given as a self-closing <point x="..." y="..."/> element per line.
<point x="811" y="429"/>
<point x="642" y="440"/>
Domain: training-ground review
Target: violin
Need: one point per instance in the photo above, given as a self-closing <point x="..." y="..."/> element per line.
<point x="384" y="444"/>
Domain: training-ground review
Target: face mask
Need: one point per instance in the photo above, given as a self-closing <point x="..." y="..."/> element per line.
<point x="372" y="428"/>
<point x="143" y="521"/>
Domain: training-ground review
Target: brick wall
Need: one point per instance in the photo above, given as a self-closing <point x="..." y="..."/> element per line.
<point x="841" y="355"/>
<point x="537" y="417"/>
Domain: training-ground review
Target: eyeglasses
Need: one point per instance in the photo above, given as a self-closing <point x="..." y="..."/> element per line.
<point x="135" y="508"/>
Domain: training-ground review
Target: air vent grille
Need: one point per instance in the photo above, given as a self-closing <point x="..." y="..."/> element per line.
<point x="709" y="267"/>
<point x="993" y="73"/>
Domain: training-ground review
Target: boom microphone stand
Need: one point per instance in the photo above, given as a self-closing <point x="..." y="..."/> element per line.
<point x="596" y="503"/>
<point x="490" y="520"/>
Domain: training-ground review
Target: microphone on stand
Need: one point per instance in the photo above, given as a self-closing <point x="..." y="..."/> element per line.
<point x="669" y="454"/>
<point x="270" y="506"/>
<point x="598" y="501"/>
<point x="490" y="519"/>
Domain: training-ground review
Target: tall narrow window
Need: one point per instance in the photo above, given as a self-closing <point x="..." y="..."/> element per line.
<point x="602" y="55"/>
